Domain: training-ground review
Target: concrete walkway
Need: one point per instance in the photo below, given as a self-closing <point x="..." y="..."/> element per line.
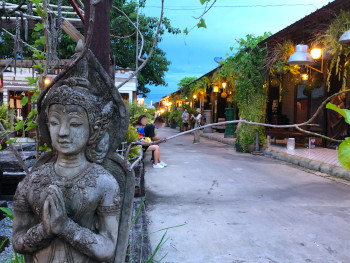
<point x="243" y="208"/>
<point x="318" y="159"/>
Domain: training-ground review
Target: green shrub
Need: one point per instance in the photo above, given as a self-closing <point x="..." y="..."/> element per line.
<point x="253" y="109"/>
<point x="132" y="136"/>
<point x="135" y="111"/>
<point x="5" y="116"/>
<point x="175" y="117"/>
<point x="165" y="115"/>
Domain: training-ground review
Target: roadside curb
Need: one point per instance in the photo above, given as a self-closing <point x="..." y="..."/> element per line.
<point x="209" y="136"/>
<point x="330" y="169"/>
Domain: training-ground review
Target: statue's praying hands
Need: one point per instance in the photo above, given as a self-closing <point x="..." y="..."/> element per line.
<point x="54" y="211"/>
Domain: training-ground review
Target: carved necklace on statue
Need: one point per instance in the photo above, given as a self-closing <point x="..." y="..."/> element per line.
<point x="69" y="182"/>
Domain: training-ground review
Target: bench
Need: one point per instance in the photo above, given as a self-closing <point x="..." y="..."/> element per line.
<point x="285" y="134"/>
<point x="220" y="128"/>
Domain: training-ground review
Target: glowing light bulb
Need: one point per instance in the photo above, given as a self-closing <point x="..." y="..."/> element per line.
<point x="316" y="53"/>
<point x="47" y="81"/>
<point x="305" y="77"/>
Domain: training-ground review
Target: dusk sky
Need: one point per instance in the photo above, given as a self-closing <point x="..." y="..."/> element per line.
<point x="193" y="55"/>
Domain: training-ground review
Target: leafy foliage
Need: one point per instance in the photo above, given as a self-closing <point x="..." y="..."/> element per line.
<point x="175" y="118"/>
<point x="17" y="257"/>
<point x="36" y="38"/>
<point x="248" y="69"/>
<point x="7" y="212"/>
<point x="344" y="147"/>
<point x="278" y="57"/>
<point x="186" y="86"/>
<point x="132" y="136"/>
<point x="329" y="40"/>
<point x="5" y="116"/>
<point x="135" y="111"/>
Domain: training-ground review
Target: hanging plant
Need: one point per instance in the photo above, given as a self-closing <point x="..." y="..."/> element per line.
<point x="275" y="82"/>
<point x="200" y="86"/>
<point x="308" y="89"/>
<point x="278" y="58"/>
<point x="329" y="40"/>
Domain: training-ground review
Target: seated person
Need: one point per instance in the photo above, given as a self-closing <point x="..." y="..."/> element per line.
<point x="146" y="136"/>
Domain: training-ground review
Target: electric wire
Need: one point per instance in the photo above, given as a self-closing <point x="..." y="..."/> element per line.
<point x="232" y="6"/>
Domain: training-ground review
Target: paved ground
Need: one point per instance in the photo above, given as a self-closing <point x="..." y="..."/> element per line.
<point x="328" y="156"/>
<point x="242" y="208"/>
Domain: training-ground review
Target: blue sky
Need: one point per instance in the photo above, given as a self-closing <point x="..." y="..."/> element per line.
<point x="193" y="55"/>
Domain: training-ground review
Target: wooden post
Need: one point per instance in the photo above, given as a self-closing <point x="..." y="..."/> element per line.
<point x="100" y="43"/>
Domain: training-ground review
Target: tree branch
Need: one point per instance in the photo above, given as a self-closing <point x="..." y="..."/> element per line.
<point x="149" y="54"/>
<point x="137" y="29"/>
<point x="13" y="149"/>
<point x="75" y="61"/>
<point x="124" y="36"/>
<point x="206" y="10"/>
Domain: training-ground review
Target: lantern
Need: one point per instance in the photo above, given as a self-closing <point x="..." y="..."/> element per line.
<point x="275" y="82"/>
<point x="216" y="89"/>
<point x="301" y="56"/>
<point x="345" y="38"/>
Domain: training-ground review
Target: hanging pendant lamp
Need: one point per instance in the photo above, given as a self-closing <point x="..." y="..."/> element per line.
<point x="301" y="56"/>
<point x="345" y="38"/>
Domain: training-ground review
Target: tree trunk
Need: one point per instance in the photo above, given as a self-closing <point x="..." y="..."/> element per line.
<point x="100" y="44"/>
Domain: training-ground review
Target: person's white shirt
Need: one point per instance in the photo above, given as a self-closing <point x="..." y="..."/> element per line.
<point x="199" y="117"/>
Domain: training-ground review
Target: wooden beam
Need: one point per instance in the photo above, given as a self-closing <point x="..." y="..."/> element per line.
<point x="10" y="23"/>
<point x="26" y="63"/>
<point x="72" y="31"/>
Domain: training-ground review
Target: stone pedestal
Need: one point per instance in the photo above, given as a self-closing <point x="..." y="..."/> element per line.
<point x="208" y="120"/>
<point x="196" y="137"/>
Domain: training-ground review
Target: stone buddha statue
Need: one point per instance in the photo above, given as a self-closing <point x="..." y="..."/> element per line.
<point x="75" y="205"/>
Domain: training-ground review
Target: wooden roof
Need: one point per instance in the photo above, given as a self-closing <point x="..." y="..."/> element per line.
<point x="304" y="29"/>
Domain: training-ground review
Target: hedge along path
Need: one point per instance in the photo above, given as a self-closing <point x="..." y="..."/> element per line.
<point x="296" y="126"/>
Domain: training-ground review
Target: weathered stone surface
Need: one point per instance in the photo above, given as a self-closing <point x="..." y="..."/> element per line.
<point x="314" y="165"/>
<point x="9" y="163"/>
<point x="326" y="168"/>
<point x="31" y="147"/>
<point x="341" y="172"/>
<point x="79" y="193"/>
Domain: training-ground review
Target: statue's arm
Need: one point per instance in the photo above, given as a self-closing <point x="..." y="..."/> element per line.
<point x="101" y="245"/>
<point x="28" y="235"/>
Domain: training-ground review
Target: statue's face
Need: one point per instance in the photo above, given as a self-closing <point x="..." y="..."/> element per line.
<point x="69" y="128"/>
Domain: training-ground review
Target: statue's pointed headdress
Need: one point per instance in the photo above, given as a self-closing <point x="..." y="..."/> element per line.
<point x="88" y="85"/>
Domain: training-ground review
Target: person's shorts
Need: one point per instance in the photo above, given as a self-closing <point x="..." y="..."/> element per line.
<point x="186" y="124"/>
<point x="144" y="148"/>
